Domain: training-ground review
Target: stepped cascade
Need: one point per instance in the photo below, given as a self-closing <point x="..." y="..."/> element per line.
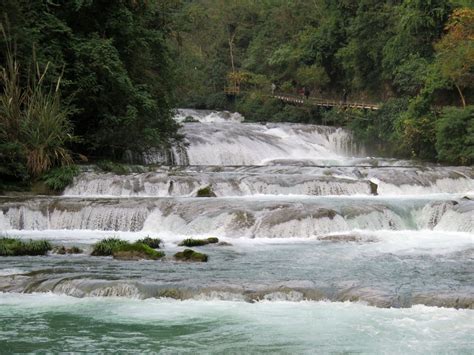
<point x="305" y="213"/>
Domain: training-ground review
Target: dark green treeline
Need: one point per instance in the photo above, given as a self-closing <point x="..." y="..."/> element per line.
<point x="417" y="56"/>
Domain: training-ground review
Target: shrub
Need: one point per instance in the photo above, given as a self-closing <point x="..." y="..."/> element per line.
<point x="33" y="116"/>
<point x="59" y="178"/>
<point x="455" y="135"/>
<point x="106" y="247"/>
<point x="151" y="242"/>
<point x="16" y="247"/>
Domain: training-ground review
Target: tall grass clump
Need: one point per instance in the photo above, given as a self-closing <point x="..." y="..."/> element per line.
<point x="16" y="247"/>
<point x="107" y="246"/>
<point x="32" y="115"/>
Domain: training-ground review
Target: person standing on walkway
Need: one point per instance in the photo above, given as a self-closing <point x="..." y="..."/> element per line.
<point x="273" y="88"/>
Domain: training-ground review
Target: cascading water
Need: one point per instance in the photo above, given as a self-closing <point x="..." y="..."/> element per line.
<point x="309" y="218"/>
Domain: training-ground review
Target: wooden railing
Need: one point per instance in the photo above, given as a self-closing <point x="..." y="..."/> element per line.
<point x="317" y="101"/>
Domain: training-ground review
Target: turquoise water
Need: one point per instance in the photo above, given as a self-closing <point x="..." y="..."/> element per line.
<point x="53" y="323"/>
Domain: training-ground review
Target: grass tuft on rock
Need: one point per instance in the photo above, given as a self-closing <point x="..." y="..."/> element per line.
<point x="121" y="249"/>
<point x="137" y="251"/>
<point x="198" y="242"/>
<point x="16" y="247"/>
<point x="107" y="246"/>
<point x="190" y="255"/>
<point x="151" y="242"/>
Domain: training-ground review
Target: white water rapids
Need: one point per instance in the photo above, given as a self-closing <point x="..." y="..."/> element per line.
<point x="309" y="220"/>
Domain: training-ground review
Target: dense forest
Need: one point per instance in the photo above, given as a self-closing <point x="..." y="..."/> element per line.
<point x="416" y="57"/>
<point x="95" y="79"/>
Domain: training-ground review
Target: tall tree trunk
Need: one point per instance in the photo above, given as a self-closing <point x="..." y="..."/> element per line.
<point x="231" y="50"/>
<point x="463" y="100"/>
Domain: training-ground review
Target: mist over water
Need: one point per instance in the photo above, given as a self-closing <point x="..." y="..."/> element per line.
<point x="329" y="249"/>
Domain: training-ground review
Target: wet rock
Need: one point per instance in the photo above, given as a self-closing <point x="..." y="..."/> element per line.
<point x="190" y="119"/>
<point x="224" y="244"/>
<point x="190" y="255"/>
<point x="373" y="188"/>
<point x="205" y="192"/>
<point x="62" y="250"/>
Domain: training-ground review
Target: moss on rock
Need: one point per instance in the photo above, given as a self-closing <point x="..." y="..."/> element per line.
<point x="198" y="242"/>
<point x="206" y="192"/>
<point x="121" y="249"/>
<point x="136" y="251"/>
<point x="190" y="255"/>
<point x="106" y="247"/>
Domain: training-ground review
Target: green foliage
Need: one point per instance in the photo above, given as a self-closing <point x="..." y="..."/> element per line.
<point x="34" y="125"/>
<point x="455" y="135"/>
<point x="190" y="255"/>
<point x="107" y="246"/>
<point x="377" y="129"/>
<point x="416" y="127"/>
<point x="410" y="75"/>
<point x="122" y="249"/>
<point x="135" y="251"/>
<point x="59" y="178"/>
<point x="151" y="242"/>
<point x="16" y="247"/>
<point x="115" y="64"/>
<point x="312" y="76"/>
<point x="13" y="162"/>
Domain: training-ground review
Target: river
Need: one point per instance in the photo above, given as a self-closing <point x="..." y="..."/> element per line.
<point x="328" y="250"/>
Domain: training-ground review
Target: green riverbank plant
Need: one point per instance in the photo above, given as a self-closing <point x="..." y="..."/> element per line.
<point x="34" y="124"/>
<point x="17" y="247"/>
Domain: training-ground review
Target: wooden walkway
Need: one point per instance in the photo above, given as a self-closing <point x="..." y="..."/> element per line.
<point x="316" y="101"/>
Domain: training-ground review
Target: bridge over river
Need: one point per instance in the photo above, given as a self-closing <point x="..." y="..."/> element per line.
<point x="322" y="102"/>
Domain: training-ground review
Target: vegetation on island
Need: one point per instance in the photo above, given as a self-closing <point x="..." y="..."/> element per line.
<point x="154" y="243"/>
<point x="17" y="247"/>
<point x="121" y="249"/>
<point x="85" y="80"/>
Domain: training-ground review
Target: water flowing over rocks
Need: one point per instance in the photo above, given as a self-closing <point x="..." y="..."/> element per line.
<point x="303" y="212"/>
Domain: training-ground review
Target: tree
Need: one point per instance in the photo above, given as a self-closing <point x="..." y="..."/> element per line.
<point x="455" y="51"/>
